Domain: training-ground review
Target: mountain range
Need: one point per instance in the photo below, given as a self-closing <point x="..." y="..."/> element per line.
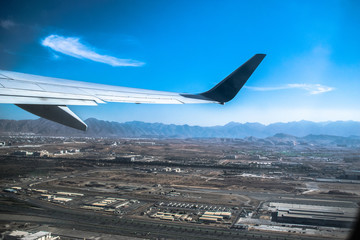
<point x="100" y="128"/>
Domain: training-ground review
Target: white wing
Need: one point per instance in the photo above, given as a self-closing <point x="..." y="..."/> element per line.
<point x="48" y="97"/>
<point x="21" y="88"/>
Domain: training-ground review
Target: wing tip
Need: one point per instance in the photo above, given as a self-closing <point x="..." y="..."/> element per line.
<point x="229" y="87"/>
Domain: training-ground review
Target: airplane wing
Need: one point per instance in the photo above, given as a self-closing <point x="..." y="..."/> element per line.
<point x="49" y="97"/>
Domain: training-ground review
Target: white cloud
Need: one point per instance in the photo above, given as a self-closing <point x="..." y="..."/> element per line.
<point x="311" y="88"/>
<point x="71" y="46"/>
<point x="7" y="24"/>
<point x="312" y="71"/>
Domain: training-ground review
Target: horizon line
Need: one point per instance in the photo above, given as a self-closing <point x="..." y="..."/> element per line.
<point x="295" y="121"/>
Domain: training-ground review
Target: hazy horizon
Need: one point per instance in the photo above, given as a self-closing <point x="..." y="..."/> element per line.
<point x="303" y="120"/>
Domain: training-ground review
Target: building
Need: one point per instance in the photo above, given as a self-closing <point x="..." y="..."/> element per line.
<point x="22" y="153"/>
<point x="352" y="174"/>
<point x="170" y="218"/>
<point x="212" y="217"/>
<point x="146" y="143"/>
<point x="218" y="218"/>
<point x="46" y="196"/>
<point x="42" y="153"/>
<point x="22" y="235"/>
<point x="74" y="151"/>
<point x="10" y="190"/>
<point x="208" y="219"/>
<point x="226" y="215"/>
<point x="60" y="152"/>
<point x="313" y="214"/>
<point x="125" y="158"/>
<point x="110" y="203"/>
<point x="61" y="199"/>
<point x="40" y="191"/>
<point x="70" y="194"/>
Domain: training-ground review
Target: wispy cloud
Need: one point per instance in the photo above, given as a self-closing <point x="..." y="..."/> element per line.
<point x="7" y="24"/>
<point x="310" y="88"/>
<point x="73" y="47"/>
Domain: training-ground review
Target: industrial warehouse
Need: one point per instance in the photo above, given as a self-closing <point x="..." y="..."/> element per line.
<point x="313" y="214"/>
<point x="108" y="204"/>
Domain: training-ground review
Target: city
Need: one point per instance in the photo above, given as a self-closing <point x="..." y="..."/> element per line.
<point x="159" y="188"/>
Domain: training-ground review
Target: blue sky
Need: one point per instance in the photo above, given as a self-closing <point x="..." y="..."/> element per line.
<point x="311" y="72"/>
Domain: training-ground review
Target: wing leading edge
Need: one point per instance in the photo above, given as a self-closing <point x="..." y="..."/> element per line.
<point x="48" y="97"/>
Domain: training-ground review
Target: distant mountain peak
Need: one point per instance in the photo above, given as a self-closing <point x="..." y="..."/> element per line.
<point x="104" y="128"/>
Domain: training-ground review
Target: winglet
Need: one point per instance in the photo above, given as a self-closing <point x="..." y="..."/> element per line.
<point x="231" y="85"/>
